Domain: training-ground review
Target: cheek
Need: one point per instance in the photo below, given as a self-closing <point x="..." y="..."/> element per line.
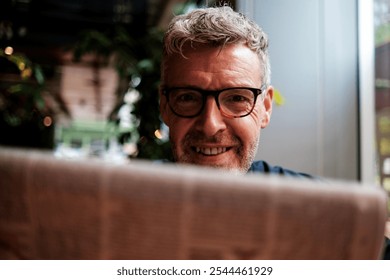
<point x="248" y="128"/>
<point x="178" y="128"/>
<point x="256" y="117"/>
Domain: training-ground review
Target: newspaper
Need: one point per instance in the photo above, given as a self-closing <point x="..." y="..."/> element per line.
<point x="60" y="209"/>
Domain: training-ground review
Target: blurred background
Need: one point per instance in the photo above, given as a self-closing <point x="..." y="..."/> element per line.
<point x="80" y="78"/>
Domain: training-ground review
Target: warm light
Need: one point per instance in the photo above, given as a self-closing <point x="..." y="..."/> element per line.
<point x="21" y="66"/>
<point x="130" y="149"/>
<point x="157" y="133"/>
<point x="47" y="121"/>
<point x="9" y="50"/>
<point x="26" y="73"/>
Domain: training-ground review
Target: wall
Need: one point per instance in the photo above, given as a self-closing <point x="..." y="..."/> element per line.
<point x="314" y="61"/>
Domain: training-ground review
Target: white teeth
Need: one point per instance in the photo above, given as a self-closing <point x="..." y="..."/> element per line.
<point x="210" y="151"/>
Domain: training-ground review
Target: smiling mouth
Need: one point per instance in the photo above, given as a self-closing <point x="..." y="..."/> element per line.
<point x="211" y="151"/>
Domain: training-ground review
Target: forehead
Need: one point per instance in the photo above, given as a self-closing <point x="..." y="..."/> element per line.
<point x="208" y="63"/>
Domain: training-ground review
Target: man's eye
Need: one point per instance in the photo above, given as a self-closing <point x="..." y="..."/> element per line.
<point x="185" y="97"/>
<point x="236" y="98"/>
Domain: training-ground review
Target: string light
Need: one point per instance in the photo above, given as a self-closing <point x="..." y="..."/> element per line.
<point x="21" y="66"/>
<point x="9" y="50"/>
<point x="47" y="121"/>
<point x="158" y="134"/>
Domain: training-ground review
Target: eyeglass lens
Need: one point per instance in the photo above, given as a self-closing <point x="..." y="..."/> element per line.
<point x="232" y="102"/>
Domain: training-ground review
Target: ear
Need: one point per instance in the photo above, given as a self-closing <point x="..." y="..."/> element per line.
<point x="267" y="106"/>
<point x="164" y="107"/>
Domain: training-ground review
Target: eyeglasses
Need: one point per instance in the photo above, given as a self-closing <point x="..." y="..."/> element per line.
<point x="232" y="102"/>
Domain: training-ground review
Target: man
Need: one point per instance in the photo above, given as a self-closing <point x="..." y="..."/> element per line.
<point x="215" y="93"/>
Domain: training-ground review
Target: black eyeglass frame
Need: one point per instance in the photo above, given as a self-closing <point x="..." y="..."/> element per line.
<point x="215" y="93"/>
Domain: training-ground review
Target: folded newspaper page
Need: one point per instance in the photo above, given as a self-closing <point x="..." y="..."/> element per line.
<point x="52" y="208"/>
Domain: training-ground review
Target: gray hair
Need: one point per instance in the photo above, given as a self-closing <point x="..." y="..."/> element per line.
<point x="217" y="26"/>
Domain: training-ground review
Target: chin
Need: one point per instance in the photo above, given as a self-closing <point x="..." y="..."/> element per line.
<point x="229" y="165"/>
<point x="225" y="168"/>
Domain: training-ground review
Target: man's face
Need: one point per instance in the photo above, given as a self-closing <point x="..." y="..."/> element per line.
<point x="212" y="139"/>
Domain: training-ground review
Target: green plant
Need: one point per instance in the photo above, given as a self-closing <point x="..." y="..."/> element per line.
<point x="137" y="63"/>
<point x="27" y="108"/>
<point x="22" y="98"/>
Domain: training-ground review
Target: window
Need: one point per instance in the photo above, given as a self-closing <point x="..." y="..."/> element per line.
<point x="382" y="89"/>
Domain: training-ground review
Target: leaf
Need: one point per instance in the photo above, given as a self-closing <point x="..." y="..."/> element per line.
<point x="38" y="73"/>
<point x="15" y="88"/>
<point x="39" y="102"/>
<point x="146" y="65"/>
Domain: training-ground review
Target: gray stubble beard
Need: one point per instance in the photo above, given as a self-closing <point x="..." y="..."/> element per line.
<point x="245" y="162"/>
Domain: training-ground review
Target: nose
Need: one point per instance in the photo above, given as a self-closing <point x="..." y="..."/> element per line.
<point x="210" y="121"/>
